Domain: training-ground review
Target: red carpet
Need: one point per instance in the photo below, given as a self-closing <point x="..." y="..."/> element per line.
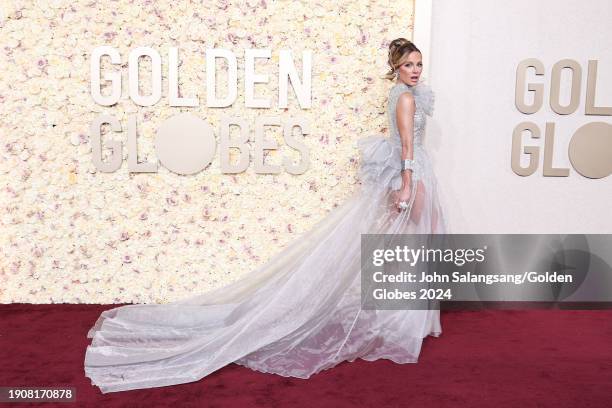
<point x="490" y="358"/>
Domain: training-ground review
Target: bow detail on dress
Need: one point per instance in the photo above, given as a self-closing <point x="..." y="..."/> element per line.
<point x="380" y="161"/>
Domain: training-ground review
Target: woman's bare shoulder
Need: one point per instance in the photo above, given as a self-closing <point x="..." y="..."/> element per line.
<point x="406" y="100"/>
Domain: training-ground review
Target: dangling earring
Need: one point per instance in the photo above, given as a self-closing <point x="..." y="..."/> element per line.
<point x="396" y="75"/>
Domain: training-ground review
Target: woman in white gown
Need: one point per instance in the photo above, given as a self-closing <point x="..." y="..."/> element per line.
<point x="300" y="312"/>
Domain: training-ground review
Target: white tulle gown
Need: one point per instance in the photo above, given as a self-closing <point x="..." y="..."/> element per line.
<point x="300" y="312"/>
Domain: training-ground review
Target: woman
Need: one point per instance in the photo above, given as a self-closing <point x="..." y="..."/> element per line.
<point x="299" y="313"/>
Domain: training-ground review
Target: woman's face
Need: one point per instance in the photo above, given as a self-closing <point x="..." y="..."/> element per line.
<point x="410" y="68"/>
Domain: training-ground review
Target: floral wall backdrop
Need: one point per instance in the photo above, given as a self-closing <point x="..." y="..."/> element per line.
<point x="72" y="234"/>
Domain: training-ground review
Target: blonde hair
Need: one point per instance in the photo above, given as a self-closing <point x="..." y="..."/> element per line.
<point x="397" y="49"/>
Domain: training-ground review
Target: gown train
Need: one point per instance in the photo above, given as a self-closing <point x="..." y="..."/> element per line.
<point x="300" y="312"/>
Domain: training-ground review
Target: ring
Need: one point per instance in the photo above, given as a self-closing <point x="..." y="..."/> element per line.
<point x="403" y="205"/>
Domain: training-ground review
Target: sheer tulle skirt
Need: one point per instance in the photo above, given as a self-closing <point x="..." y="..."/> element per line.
<point x="297" y="314"/>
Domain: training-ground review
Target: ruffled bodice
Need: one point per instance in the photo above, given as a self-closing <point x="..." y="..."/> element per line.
<point x="424" y="99"/>
<point x="381" y="155"/>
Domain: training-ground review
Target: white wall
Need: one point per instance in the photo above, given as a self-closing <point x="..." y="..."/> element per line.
<point x="475" y="47"/>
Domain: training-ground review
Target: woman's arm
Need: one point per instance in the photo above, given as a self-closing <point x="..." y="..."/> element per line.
<point x="405" y="110"/>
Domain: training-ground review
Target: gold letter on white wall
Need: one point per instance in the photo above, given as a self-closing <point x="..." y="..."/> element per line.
<point x="538" y="89"/>
<point x="590" y="108"/>
<point x="532" y="151"/>
<point x="555" y="87"/>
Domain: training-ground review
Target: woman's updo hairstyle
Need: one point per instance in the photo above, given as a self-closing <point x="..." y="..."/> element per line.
<point x="397" y="49"/>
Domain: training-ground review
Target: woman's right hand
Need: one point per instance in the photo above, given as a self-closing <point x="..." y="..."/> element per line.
<point x="403" y="195"/>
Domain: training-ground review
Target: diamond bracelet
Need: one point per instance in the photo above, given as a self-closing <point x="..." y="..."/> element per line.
<point x="407" y="164"/>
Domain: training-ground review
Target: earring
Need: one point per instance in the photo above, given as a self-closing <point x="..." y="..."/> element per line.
<point x="396" y="74"/>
